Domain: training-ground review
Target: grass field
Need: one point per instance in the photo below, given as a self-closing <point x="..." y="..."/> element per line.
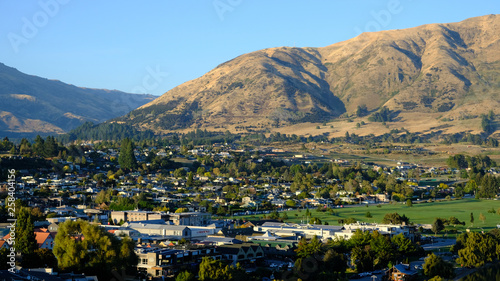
<point x="421" y="213"/>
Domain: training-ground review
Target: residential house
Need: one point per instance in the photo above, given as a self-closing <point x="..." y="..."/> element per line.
<point x="125" y="216"/>
<point x="401" y="272"/>
<point x="45" y="240"/>
<point x="190" y="218"/>
<point x="158" y="262"/>
<point x="241" y="252"/>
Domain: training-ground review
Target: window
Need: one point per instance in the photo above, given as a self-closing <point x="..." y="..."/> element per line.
<point x="144" y="261"/>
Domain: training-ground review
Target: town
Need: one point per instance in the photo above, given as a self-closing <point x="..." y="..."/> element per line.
<point x="222" y="210"/>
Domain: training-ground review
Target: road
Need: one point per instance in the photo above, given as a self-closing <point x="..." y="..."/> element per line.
<point x="439" y="243"/>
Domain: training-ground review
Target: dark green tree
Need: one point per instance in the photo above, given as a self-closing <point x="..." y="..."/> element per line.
<point x="403" y="245"/>
<point x="284" y="217"/>
<point x="475" y="249"/>
<point x="395" y="218"/>
<point x="189" y="182"/>
<point x="41" y="258"/>
<point x="436" y="266"/>
<point x="185" y="276"/>
<point x="409" y="203"/>
<point x="126" y="159"/>
<point x="214" y="270"/>
<point x="39" y="146"/>
<point x="437" y="225"/>
<point x="315" y="220"/>
<point x="84" y="247"/>
<point x="382" y="247"/>
<point x="25" y="232"/>
<point x="362" y="110"/>
<point x="319" y="261"/>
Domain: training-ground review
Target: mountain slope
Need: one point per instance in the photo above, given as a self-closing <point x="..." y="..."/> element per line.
<point x="264" y="86"/>
<point x="34" y="105"/>
<point x="430" y="68"/>
<point x="446" y="69"/>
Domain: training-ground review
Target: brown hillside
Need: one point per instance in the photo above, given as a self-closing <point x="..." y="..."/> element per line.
<point x="33" y="105"/>
<point x="444" y="70"/>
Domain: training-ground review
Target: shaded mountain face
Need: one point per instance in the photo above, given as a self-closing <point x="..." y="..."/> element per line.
<point x="431" y="68"/>
<point x="33" y="105"/>
<point x="449" y="68"/>
<point x="269" y="86"/>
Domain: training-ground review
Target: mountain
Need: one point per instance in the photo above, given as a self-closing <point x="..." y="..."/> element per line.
<point x="33" y="105"/>
<point x="435" y="73"/>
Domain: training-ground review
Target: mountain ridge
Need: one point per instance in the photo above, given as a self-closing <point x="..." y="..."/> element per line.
<point x="448" y="70"/>
<point x="34" y="105"/>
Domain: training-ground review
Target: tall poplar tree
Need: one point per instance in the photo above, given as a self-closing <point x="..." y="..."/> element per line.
<point x="127" y="157"/>
<point x="25" y="232"/>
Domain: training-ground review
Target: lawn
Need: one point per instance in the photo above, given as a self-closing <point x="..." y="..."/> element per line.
<point x="421" y="213"/>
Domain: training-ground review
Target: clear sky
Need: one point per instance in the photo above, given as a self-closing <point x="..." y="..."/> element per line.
<point x="155" y="45"/>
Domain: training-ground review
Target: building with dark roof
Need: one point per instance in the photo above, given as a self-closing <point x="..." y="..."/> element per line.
<point x="241" y="252"/>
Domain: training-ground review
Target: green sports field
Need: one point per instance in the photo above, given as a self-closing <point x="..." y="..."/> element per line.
<point x="419" y="213"/>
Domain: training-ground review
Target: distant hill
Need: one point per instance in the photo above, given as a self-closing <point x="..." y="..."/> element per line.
<point x="33" y="105"/>
<point x="435" y="71"/>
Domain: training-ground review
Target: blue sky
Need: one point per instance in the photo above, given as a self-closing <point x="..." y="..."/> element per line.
<point x="153" y="46"/>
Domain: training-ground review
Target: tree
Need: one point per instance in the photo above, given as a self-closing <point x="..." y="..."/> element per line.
<point x="382" y="248"/>
<point x="126" y="159"/>
<point x="328" y="263"/>
<point x="362" y="258"/>
<point x="189" y="181"/>
<point x="284" y="217"/>
<point x="315" y="220"/>
<point x="362" y="110"/>
<point x="290" y="203"/>
<point x="25" y="232"/>
<point x="471" y="186"/>
<point x="457" y="161"/>
<point x="83" y="247"/>
<point x="39" y="259"/>
<point x="383" y="115"/>
<point x="437" y="225"/>
<point x="404" y="245"/>
<point x="395" y="218"/>
<point x="482" y="217"/>
<point x="475" y="249"/>
<point x="185" y="276"/>
<point x="436" y="266"/>
<point x="409" y="203"/>
<point x="102" y="197"/>
<point x="213" y="270"/>
<point x="39" y="146"/>
<point x="455" y="221"/>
